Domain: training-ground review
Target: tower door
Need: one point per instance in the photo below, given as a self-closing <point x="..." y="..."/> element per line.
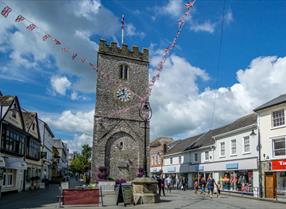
<point x="122" y="157"/>
<point x="270" y="185"/>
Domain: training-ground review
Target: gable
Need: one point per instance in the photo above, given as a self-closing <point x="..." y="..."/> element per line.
<point x="33" y="130"/>
<point x="13" y="115"/>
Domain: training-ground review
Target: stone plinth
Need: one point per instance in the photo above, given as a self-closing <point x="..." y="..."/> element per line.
<point x="145" y="191"/>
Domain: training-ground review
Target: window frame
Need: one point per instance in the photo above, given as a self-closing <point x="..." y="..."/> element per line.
<point x="196" y="159"/>
<point x="7" y="174"/>
<point x="207" y="155"/>
<point x="220" y="149"/>
<point x="124" y="72"/>
<point x="272" y="118"/>
<point x="273" y="151"/>
<point x="244" y="150"/>
<point x="231" y="147"/>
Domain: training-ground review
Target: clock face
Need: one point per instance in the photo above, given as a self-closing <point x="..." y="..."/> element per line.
<point x="123" y="94"/>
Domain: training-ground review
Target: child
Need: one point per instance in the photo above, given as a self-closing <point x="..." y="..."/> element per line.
<point x="203" y="186"/>
<point x="196" y="186"/>
<point x="218" y="185"/>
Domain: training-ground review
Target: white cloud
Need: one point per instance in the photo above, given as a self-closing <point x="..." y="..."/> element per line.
<point x="131" y="31"/>
<point x="73" y="122"/>
<point x="72" y="22"/>
<point x="87" y="8"/>
<point x="181" y="110"/>
<point x="60" y="84"/>
<point x="173" y="8"/>
<point x="203" y="27"/>
<point x="76" y="143"/>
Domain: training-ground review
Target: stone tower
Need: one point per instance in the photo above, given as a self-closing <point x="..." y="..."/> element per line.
<point x="118" y="137"/>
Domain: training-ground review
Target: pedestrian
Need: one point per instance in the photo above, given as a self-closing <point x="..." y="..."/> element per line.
<point x="161" y="185"/>
<point x="218" y="186"/>
<point x="210" y="184"/>
<point x="203" y="185"/>
<point x="196" y="186"/>
<point x="168" y="182"/>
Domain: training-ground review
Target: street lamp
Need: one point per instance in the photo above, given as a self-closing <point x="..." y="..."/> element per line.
<point x="145" y="114"/>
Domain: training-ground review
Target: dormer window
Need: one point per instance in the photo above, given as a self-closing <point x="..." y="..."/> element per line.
<point x="123" y="73"/>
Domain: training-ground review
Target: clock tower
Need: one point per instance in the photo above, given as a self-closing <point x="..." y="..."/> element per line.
<point x="118" y="138"/>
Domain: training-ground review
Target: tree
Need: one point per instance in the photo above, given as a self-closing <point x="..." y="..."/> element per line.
<point x="82" y="163"/>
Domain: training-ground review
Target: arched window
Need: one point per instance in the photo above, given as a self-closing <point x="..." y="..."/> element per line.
<point x="123" y="74"/>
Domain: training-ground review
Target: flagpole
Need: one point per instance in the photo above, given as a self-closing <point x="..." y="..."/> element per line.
<point x="122" y="30"/>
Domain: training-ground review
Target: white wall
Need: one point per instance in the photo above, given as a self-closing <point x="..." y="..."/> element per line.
<point x="268" y="133"/>
<point x="240" y="154"/>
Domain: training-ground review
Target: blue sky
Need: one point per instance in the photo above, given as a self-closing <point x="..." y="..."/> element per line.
<point x="197" y="91"/>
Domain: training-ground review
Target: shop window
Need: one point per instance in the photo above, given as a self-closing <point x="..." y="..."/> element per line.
<point x="123" y="73"/>
<point x="196" y="157"/>
<point x="278" y="118"/>
<point x="279" y="147"/>
<point x="222" y="149"/>
<point x="207" y="157"/>
<point x="246" y="144"/>
<point x="8" y="178"/>
<point x="233" y="146"/>
<point x="171" y="160"/>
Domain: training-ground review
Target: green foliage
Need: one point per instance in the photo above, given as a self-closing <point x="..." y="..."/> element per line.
<point x="81" y="163"/>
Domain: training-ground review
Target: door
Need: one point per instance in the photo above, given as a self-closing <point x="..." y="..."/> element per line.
<point x="270" y="185"/>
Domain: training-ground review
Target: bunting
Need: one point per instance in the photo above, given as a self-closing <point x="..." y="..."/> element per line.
<point x="30" y="26"/>
<point x="6" y="11"/>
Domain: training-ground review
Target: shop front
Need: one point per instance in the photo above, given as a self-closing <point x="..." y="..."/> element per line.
<point x="13" y="174"/>
<point x="275" y="180"/>
<point x="239" y="176"/>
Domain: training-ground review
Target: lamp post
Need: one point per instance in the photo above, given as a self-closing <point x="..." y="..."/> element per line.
<point x="145" y="114"/>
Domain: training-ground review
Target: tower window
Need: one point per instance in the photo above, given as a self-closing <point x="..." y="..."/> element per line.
<point x="123" y="72"/>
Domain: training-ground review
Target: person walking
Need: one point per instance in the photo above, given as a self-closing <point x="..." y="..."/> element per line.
<point x="161" y="185"/>
<point x="210" y="184"/>
<point x="218" y="186"/>
<point x="168" y="182"/>
<point x="203" y="185"/>
<point x="196" y="186"/>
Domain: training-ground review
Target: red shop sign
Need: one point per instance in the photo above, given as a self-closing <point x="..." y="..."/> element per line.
<point x="278" y="164"/>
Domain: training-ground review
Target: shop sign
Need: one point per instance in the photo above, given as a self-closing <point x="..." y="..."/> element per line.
<point x="278" y="164"/>
<point x="201" y="168"/>
<point x="231" y="166"/>
<point x="171" y="169"/>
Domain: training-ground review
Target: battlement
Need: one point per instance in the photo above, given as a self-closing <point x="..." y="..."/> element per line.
<point x="113" y="49"/>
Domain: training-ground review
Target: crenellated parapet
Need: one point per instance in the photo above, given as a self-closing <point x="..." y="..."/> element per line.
<point x="123" y="51"/>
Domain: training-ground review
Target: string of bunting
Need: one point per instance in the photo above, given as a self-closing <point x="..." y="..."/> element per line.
<point x="30" y="26"/>
<point x="167" y="51"/>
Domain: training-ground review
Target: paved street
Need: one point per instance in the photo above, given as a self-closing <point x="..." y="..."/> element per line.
<point x="175" y="200"/>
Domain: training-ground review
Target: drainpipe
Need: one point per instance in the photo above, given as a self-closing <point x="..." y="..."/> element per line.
<point x="259" y="160"/>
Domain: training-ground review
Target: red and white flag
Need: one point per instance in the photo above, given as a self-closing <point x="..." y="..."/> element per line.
<point x="74" y="55"/>
<point x="82" y="60"/>
<point x="31" y="27"/>
<point x="122" y="22"/>
<point x="20" y="18"/>
<point x="57" y="42"/>
<point x="5" y="12"/>
<point x="65" y="49"/>
<point x="45" y="37"/>
<point x="189" y="4"/>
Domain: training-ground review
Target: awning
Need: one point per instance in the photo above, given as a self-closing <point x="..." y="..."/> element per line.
<point x="2" y="162"/>
<point x="15" y="163"/>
